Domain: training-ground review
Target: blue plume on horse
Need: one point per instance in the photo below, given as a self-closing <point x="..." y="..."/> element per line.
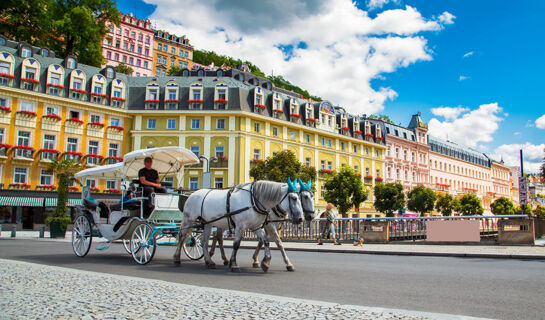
<point x="291" y="185"/>
<point x="303" y="185"/>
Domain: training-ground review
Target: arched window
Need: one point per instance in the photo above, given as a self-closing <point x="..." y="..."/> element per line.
<point x="185" y="73"/>
<point x="200" y="73"/>
<point x="196" y="96"/>
<point x="221" y="96"/>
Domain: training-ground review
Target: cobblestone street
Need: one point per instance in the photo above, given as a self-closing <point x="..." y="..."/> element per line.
<point x="37" y="291"/>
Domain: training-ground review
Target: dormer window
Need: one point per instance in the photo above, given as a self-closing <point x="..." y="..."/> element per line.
<point x="195" y="96"/>
<point x="45" y="52"/>
<point x="221" y="98"/>
<point x="259" y="102"/>
<point x="71" y="63"/>
<point x="118" y="97"/>
<point x="26" y="52"/>
<point x="109" y="73"/>
<point x="6" y="68"/>
<point x="378" y="132"/>
<point x="30" y="74"/>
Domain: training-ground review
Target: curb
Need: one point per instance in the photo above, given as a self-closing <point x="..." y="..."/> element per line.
<point x="409" y="253"/>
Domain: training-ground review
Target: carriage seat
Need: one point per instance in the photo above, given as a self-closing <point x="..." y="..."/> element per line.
<point x="89" y="203"/>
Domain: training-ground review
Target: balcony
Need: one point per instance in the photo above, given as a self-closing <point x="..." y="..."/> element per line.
<point x="4" y="147"/>
<point x="221" y="163"/>
<point x="93" y="159"/>
<point x="23" y="152"/>
<point x="72" y="155"/>
<point x="47" y="155"/>
<point x="442" y="187"/>
<point x="113" y="159"/>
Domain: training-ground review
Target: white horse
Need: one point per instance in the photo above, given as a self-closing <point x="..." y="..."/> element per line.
<point x="244" y="207"/>
<point x="273" y="224"/>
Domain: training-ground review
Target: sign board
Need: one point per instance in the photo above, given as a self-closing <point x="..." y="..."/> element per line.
<point x="523" y="191"/>
<point x="206" y="180"/>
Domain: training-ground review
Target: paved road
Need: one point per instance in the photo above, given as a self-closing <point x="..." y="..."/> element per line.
<point x="495" y="288"/>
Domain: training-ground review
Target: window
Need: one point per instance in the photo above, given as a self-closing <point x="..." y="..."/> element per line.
<point x="307" y="162"/>
<point x="322" y="164"/>
<point x="46" y="178"/>
<point x="23" y="139"/>
<point x="171" y="123"/>
<point x="145" y="64"/>
<point x="378" y="173"/>
<point x="193" y="183"/>
<point x="151" y="123"/>
<point x="146" y="52"/>
<point x="138" y="63"/>
<point x="115" y="122"/>
<point x="171" y="94"/>
<point x="72" y="144"/>
<point x="195" y="123"/>
<point x="275" y="131"/>
<point x="26" y="52"/>
<point x="93" y="149"/>
<point x="171" y="106"/>
<point x="257" y="153"/>
<point x="124" y="59"/>
<point x="307" y="138"/>
<point x="160" y="46"/>
<point x="220" y="124"/>
<point x="329" y="143"/>
<point x="218" y="182"/>
<point x="95" y="118"/>
<point x="195" y="150"/>
<point x="257" y="127"/>
<point x="322" y="142"/>
<point x="77" y="83"/>
<point x="164" y="60"/>
<point x="355" y="148"/>
<point x="91" y="183"/>
<point x="26" y="106"/>
<point x="173" y="50"/>
<point x="20" y="175"/>
<point x="2" y="135"/>
<point x="116" y="58"/>
<point x="49" y="143"/>
<point x="71" y="63"/>
<point x="292" y="135"/>
<point x="55" y="78"/>
<point x="73" y="114"/>
<point x="113" y="150"/>
<point x="342" y="146"/>
<point x="111" y="184"/>
<point x="219" y="151"/>
<point x="165" y="48"/>
<point x="329" y="165"/>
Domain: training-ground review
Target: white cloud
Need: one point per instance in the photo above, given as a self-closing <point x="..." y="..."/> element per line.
<point x="462" y="78"/>
<point x="517" y="133"/>
<point x="344" y="48"/>
<point x="446" y="18"/>
<point x="540" y="122"/>
<point x="468" y="127"/>
<point x="532" y="153"/>
<point x="469" y="54"/>
<point x="449" y="113"/>
<point x="377" y="4"/>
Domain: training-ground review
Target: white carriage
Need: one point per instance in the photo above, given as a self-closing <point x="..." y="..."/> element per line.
<point x="124" y="219"/>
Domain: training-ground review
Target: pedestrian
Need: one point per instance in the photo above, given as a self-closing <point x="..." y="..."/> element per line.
<point x="330" y="225"/>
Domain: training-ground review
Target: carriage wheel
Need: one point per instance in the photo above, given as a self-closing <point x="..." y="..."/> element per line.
<point x="127" y="245"/>
<point x="81" y="236"/>
<point x="143" y="243"/>
<point x="193" y="246"/>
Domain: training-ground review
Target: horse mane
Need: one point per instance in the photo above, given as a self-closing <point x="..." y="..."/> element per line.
<point x="268" y="191"/>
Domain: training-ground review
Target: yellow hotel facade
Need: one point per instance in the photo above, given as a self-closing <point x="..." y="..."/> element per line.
<point x="56" y="108"/>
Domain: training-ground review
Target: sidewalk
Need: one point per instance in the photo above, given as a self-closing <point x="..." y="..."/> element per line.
<point x="536" y="252"/>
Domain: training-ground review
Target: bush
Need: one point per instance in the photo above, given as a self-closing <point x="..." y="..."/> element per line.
<point x="502" y="206"/>
<point x="470" y="205"/>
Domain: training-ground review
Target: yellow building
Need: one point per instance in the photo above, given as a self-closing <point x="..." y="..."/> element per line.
<point x="56" y="108"/>
<point x="171" y="51"/>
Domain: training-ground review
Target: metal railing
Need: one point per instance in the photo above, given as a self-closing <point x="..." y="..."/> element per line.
<point x="400" y="228"/>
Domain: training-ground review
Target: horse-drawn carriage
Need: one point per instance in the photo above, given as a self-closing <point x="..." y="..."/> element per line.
<point x="125" y="219"/>
<point x="258" y="206"/>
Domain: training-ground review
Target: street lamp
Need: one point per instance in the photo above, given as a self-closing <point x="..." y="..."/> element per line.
<point x="206" y="175"/>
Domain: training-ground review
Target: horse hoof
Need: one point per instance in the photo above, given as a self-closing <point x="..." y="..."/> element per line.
<point x="255" y="265"/>
<point x="235" y="269"/>
<point x="177" y="262"/>
<point x="211" y="265"/>
<point x="290" y="268"/>
<point x="265" y="267"/>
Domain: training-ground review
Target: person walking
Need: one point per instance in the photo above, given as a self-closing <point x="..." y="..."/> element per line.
<point x="330" y="224"/>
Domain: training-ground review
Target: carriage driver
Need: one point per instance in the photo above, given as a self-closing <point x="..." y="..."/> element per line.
<point x="149" y="179"/>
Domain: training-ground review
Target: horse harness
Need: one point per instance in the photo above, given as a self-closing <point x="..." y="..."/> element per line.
<point x="256" y="205"/>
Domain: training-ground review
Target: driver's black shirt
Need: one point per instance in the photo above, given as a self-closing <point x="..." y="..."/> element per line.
<point x="149" y="175"/>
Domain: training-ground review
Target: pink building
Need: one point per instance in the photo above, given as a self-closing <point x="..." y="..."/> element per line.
<point x="407" y="153"/>
<point x="131" y="43"/>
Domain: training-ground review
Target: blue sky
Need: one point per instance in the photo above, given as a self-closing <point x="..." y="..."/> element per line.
<point x="502" y="41"/>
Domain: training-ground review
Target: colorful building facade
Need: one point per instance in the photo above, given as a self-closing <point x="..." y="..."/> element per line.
<point x="54" y="108"/>
<point x="171" y="51"/>
<point x="407" y="153"/>
<point x="132" y="44"/>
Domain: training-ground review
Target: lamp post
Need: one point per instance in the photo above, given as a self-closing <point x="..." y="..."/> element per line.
<point x="206" y="175"/>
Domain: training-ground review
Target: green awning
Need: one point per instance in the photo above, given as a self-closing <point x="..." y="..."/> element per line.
<point x="74" y="202"/>
<point x="51" y="202"/>
<point x="21" y="202"/>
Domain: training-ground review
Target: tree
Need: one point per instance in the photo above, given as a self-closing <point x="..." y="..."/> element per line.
<point x="524" y="209"/>
<point x="344" y="189"/>
<point x="174" y="71"/>
<point x="64" y="170"/>
<point x="280" y="167"/>
<point x="539" y="211"/>
<point x="123" y="68"/>
<point x="445" y="204"/>
<point x="470" y="205"/>
<point x="26" y="20"/>
<point x="421" y="199"/>
<point x="389" y="197"/>
<point x="79" y="27"/>
<point x="74" y="27"/>
<point x="502" y="206"/>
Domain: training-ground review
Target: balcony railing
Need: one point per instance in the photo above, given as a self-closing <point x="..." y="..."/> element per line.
<point x="220" y="163"/>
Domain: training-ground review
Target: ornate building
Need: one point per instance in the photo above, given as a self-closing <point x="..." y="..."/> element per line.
<point x="131" y="44"/>
<point x="56" y="108"/>
<point x="171" y="51"/>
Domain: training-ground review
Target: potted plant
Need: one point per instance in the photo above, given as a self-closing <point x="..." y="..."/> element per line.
<point x="58" y="221"/>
